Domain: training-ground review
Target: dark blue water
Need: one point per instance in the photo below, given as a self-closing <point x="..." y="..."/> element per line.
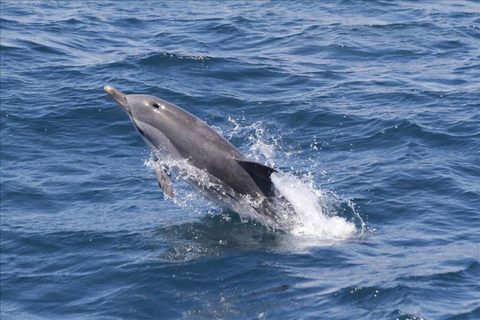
<point x="371" y="110"/>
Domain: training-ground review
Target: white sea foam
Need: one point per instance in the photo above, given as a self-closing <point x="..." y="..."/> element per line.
<point x="316" y="213"/>
<point x="314" y="209"/>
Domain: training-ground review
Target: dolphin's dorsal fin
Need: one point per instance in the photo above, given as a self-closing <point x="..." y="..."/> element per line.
<point x="260" y="173"/>
<point x="164" y="181"/>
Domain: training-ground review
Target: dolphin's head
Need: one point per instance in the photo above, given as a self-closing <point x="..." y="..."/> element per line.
<point x="146" y="112"/>
<point x="140" y="107"/>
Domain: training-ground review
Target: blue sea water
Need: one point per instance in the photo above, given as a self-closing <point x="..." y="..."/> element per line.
<point x="370" y="110"/>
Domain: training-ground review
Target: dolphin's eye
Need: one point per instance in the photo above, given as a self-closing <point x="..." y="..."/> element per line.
<point x="155" y="105"/>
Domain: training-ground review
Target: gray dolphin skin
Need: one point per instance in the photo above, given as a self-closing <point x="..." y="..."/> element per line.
<point x="180" y="136"/>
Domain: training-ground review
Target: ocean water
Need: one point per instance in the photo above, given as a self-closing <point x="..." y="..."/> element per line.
<point x="369" y="109"/>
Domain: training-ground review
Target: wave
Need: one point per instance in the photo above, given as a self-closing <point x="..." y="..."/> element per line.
<point x="155" y="58"/>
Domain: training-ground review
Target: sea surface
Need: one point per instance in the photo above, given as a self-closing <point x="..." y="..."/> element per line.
<point x="370" y="110"/>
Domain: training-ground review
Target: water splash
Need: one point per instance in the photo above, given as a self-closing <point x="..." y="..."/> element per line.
<point x="185" y="195"/>
<point x="315" y="212"/>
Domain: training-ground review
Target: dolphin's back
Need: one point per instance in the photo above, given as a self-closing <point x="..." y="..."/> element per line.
<point x="205" y="148"/>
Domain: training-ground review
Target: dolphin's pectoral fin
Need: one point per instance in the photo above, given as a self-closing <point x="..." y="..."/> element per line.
<point x="164" y="181"/>
<point x="260" y="173"/>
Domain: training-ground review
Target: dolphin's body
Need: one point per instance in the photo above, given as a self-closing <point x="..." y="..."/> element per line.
<point x="228" y="177"/>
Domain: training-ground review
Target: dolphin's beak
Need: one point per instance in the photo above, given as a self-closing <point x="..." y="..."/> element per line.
<point x="118" y="96"/>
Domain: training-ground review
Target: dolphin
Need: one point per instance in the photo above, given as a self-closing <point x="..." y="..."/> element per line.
<point x="223" y="173"/>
